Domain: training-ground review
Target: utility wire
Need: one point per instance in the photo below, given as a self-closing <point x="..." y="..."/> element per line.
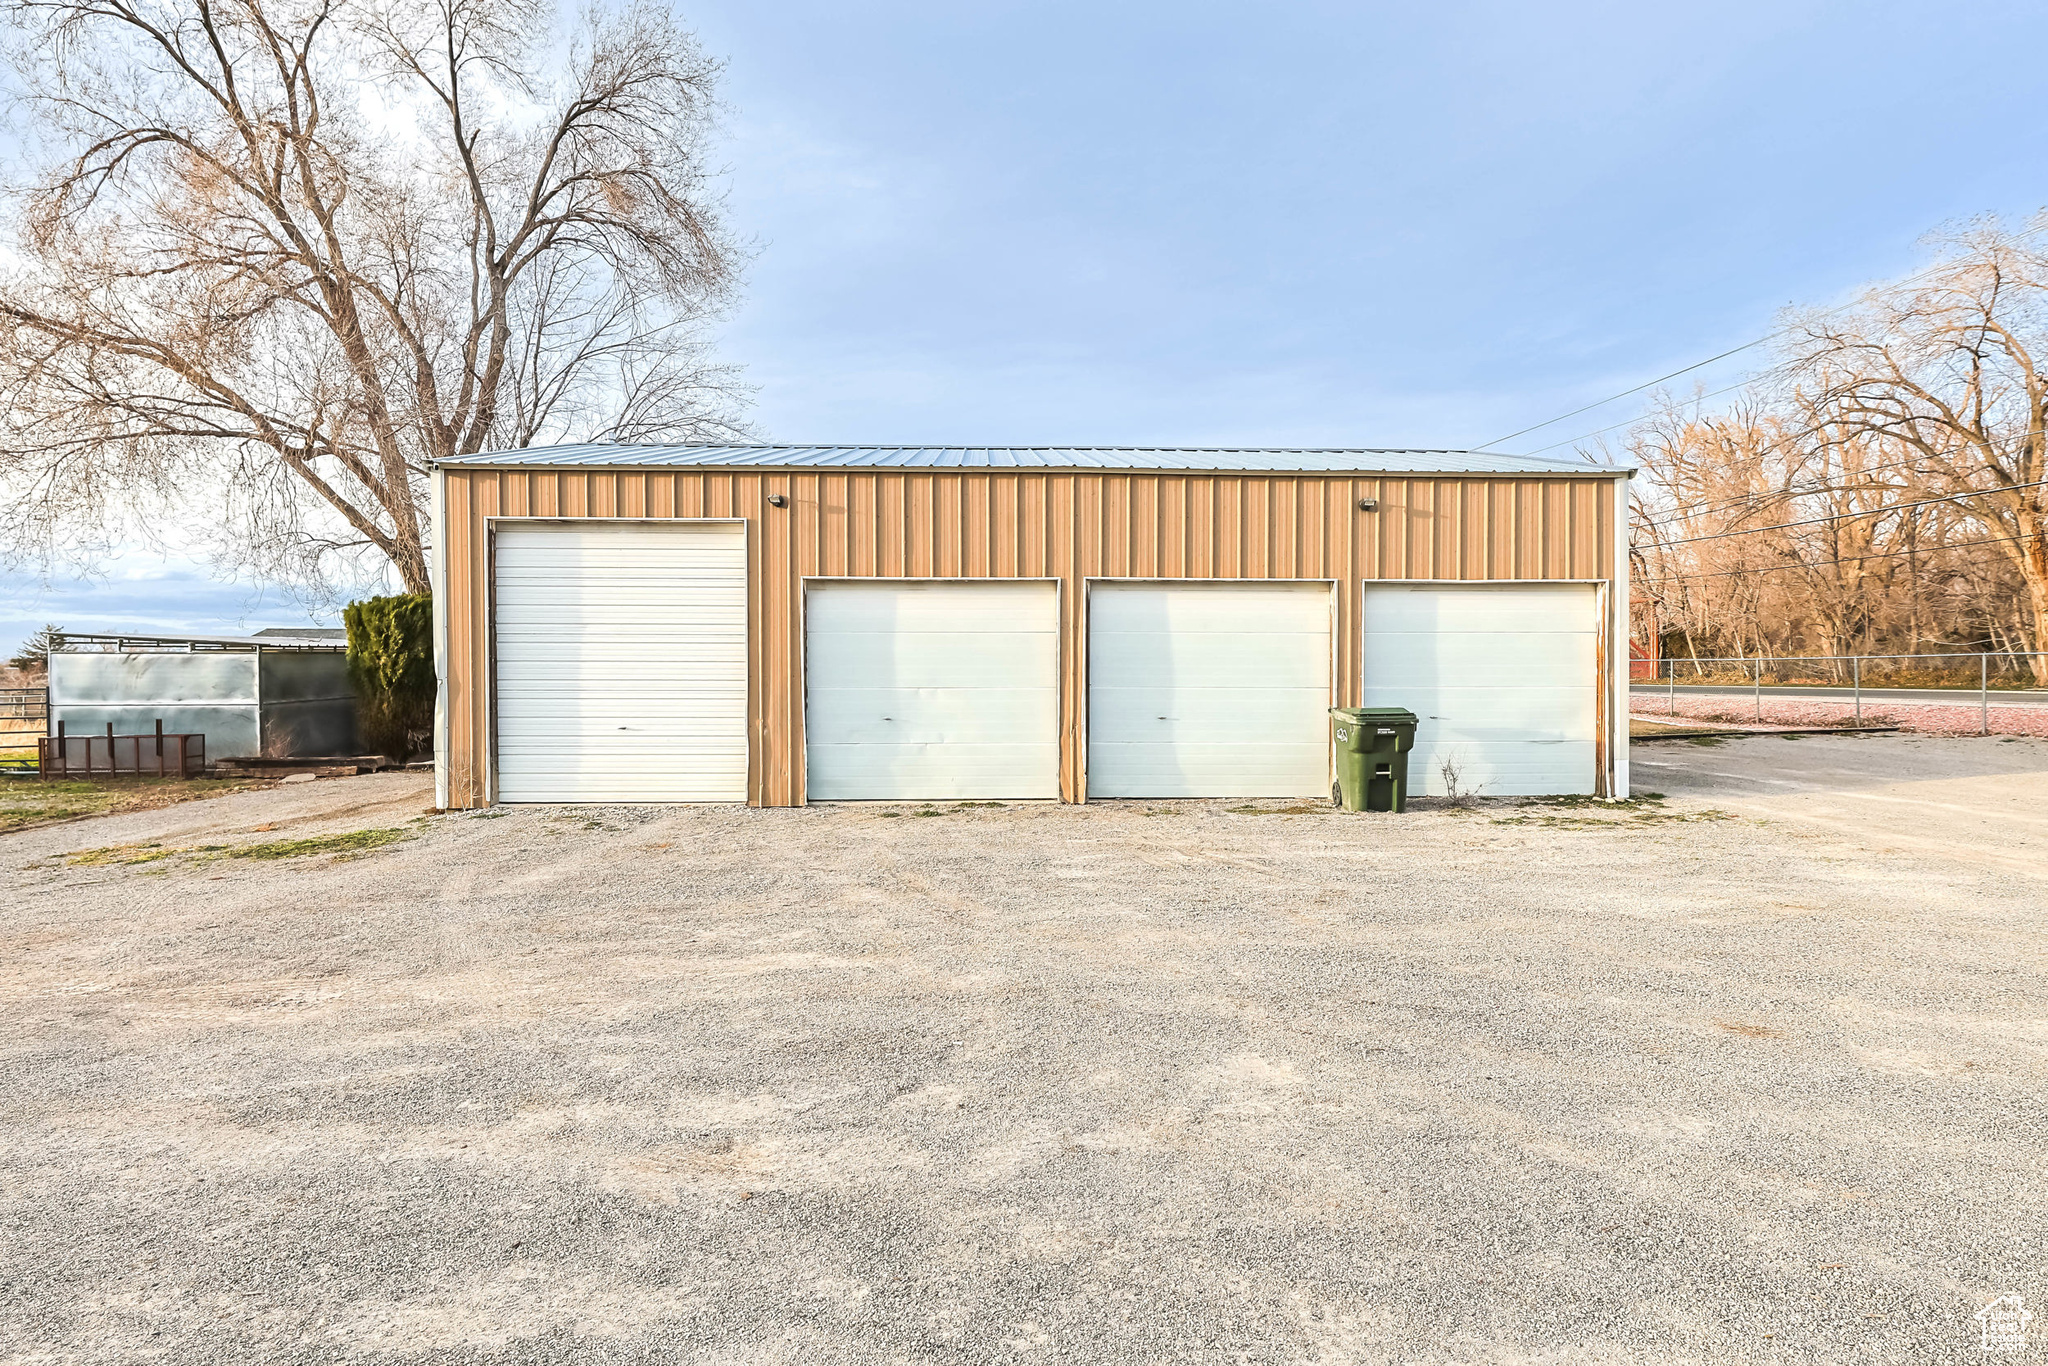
<point x="1785" y="493"/>
<point x="1735" y="351"/>
<point x="1936" y="268"/>
<point x="1846" y="516"/>
<point x="1822" y="564"/>
<point x="1632" y="421"/>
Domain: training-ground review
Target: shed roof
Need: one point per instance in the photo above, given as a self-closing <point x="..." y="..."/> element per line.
<point x="1277" y="460"/>
<point x="98" y="642"/>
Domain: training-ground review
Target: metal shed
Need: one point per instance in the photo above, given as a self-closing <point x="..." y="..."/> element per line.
<point x="777" y="624"/>
<point x="276" y="694"/>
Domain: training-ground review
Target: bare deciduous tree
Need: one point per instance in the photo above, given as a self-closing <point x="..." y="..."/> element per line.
<point x="1903" y="437"/>
<point x="280" y="254"/>
<point x="1944" y="371"/>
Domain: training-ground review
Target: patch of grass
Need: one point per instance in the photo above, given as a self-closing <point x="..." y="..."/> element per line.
<point x="1639" y="802"/>
<point x="1708" y="741"/>
<point x="1650" y="730"/>
<point x="120" y="853"/>
<point x="968" y="806"/>
<point x="1296" y="809"/>
<point x="1636" y="820"/>
<point x="25" y="804"/>
<point x="349" y="844"/>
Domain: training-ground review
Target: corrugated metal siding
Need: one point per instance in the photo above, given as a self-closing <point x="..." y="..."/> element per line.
<point x="1030" y="524"/>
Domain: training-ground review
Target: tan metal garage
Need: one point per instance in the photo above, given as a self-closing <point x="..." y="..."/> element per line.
<point x="781" y="623"/>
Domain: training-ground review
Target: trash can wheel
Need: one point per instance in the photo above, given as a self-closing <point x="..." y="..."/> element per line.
<point x="1337" y="795"/>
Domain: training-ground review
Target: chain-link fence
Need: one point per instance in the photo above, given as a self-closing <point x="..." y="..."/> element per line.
<point x="24" y="718"/>
<point x="1984" y="677"/>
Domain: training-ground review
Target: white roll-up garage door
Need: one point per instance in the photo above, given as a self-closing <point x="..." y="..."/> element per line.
<point x="1209" y="690"/>
<point x="620" y="653"/>
<point x="924" y="691"/>
<point x="1503" y="678"/>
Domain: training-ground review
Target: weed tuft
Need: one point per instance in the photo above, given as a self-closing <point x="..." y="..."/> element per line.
<point x="350" y="844"/>
<point x="1636" y="820"/>
<point x="119" y="854"/>
<point x="354" y="842"/>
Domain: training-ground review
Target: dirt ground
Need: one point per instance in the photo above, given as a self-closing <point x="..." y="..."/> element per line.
<point x="1982" y="800"/>
<point x="1742" y="1076"/>
<point x="27" y="802"/>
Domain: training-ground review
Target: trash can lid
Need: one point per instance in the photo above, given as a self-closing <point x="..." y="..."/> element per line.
<point x="1385" y="715"/>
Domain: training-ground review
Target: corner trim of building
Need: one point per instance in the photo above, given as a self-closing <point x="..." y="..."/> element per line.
<point x="437" y="565"/>
<point x="1620" y="663"/>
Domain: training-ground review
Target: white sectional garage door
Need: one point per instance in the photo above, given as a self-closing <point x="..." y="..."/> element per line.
<point x="924" y="691"/>
<point x="1209" y="690"/>
<point x="621" y="662"/>
<point x="1504" y="680"/>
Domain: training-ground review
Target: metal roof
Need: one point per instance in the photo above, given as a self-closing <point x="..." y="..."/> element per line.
<point x="95" y="642"/>
<point x="1279" y="460"/>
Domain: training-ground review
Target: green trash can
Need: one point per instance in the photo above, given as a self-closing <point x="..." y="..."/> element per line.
<point x="1372" y="757"/>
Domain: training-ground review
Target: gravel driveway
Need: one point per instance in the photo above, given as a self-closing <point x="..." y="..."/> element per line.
<point x="1135" y="1082"/>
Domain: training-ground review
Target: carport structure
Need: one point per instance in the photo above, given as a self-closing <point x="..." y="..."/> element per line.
<point x="777" y="624"/>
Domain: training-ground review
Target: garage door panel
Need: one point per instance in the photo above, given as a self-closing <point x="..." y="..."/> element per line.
<point x="1208" y="690"/>
<point x="935" y="660"/>
<point x="1217" y="659"/>
<point x="1509" y="769"/>
<point x="1502" y="680"/>
<point x="932" y="772"/>
<point x="1505" y="657"/>
<point x="649" y="699"/>
<point x="627" y="762"/>
<point x="1489" y="610"/>
<point x="929" y="691"/>
<point x="1206" y="714"/>
<point x="982" y="607"/>
<point x="584" y="613"/>
<point x="578" y="657"/>
<point x="1209" y="609"/>
<point x="1207" y="770"/>
<point x="565" y="727"/>
<point x="599" y="639"/>
<point x="931" y="715"/>
<point x="1533" y="712"/>
<point x="620" y="658"/>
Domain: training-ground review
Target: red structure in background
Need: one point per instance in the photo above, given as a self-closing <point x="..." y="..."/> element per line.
<point x="1641" y="663"/>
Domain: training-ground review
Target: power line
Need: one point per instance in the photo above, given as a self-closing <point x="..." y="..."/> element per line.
<point x="1808" y="492"/>
<point x="1936" y="268"/>
<point x="1822" y="564"/>
<point x="1631" y="421"/>
<point x="1845" y="516"/>
<point x="1736" y="351"/>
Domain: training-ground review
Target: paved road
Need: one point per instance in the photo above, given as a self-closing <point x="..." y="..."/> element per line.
<point x="1954" y="697"/>
<point x="1980" y="800"/>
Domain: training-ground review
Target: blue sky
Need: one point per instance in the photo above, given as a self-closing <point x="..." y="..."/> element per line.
<point x="1332" y="224"/>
